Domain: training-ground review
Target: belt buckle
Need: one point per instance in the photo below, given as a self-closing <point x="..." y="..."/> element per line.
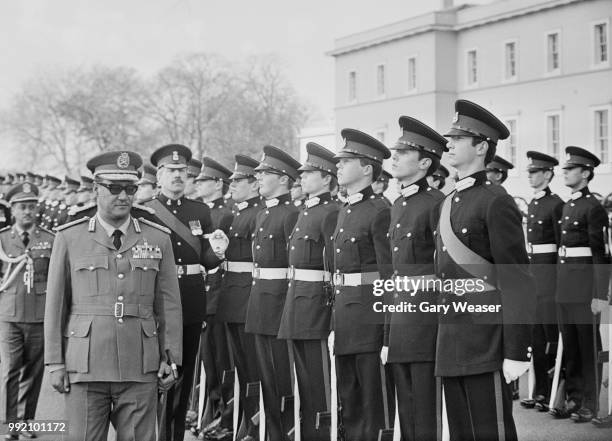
<point x="530" y="248"/>
<point x="562" y="251"/>
<point x="118" y="309"/>
<point x="255" y="273"/>
<point x="180" y="270"/>
<point x="290" y="272"/>
<point x="338" y="279"/>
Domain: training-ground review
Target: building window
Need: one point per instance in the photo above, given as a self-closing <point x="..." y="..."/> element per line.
<point x="552" y="52"/>
<point x="412" y="79"/>
<point x="602" y="134"/>
<point x="511" y="141"/>
<point x="380" y="79"/>
<point x="352" y="86"/>
<point x="472" y="67"/>
<point x="553" y="134"/>
<point x="510" y="60"/>
<point x="600" y="40"/>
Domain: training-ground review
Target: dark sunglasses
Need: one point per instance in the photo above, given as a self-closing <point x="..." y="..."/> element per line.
<point x="116" y="189"/>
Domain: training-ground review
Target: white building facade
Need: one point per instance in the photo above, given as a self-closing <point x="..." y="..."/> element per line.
<point x="542" y="66"/>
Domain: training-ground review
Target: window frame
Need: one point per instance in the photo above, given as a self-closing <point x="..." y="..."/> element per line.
<point x="468" y="68"/>
<point x="505" y="77"/>
<point x="559" y="113"/>
<point x="557" y="70"/>
<point x="595" y="64"/>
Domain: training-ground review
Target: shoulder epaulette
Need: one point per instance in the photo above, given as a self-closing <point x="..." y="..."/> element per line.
<point x="144" y="208"/>
<point x="154" y="225"/>
<point x="45" y="230"/>
<point x="70" y="224"/>
<point x="75" y="210"/>
<point x="8" y="227"/>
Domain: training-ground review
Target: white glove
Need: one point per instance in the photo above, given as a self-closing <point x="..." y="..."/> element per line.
<point x="384" y="354"/>
<point x="598" y="306"/>
<point x="514" y="369"/>
<point x="218" y="242"/>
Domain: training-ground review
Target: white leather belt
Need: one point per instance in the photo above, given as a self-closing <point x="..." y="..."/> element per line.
<point x="269" y="273"/>
<point x="355" y="279"/>
<point x="238" y="267"/>
<point x="188" y="270"/>
<point x="306" y="275"/>
<point x="575" y="251"/>
<point x="543" y="248"/>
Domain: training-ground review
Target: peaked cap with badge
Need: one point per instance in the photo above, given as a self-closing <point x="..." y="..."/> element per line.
<point x="278" y="161"/>
<point x="149" y="175"/>
<point x="171" y="156"/>
<point x="358" y="144"/>
<point x="115" y="166"/>
<point x="320" y="159"/>
<point x="244" y="167"/>
<point x="579" y="157"/>
<point x="499" y="164"/>
<point x="540" y="161"/>
<point x="420" y="136"/>
<point x="211" y="169"/>
<point x="476" y="121"/>
<point x="193" y="167"/>
<point x="24" y="192"/>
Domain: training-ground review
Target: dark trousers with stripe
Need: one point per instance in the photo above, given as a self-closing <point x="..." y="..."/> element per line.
<point x="243" y="349"/>
<point x="215" y="354"/>
<point x="275" y="374"/>
<point x="312" y="370"/>
<point x="479" y="408"/>
<point x="416" y="399"/>
<point x="361" y="395"/>
<point x="576" y="323"/>
<point x="544" y="331"/>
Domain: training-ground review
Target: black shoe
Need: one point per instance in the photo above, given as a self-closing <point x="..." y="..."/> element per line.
<point x="565" y="412"/>
<point x="222" y="434"/>
<point x="11" y="436"/>
<point x="583" y="415"/>
<point x="603" y="423"/>
<point x="27" y="434"/>
<point x="541" y="407"/>
<point x="528" y="403"/>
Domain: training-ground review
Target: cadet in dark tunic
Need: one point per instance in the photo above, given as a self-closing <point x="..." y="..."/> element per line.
<point x="543" y="215"/>
<point x="497" y="170"/>
<point x="479" y="236"/>
<point x="306" y="317"/>
<point x="361" y="256"/>
<point x="189" y="221"/>
<point x="272" y="230"/>
<point x="410" y="338"/>
<point x="212" y="184"/>
<point x="381" y="185"/>
<point x="582" y="284"/>
<point x="237" y="281"/>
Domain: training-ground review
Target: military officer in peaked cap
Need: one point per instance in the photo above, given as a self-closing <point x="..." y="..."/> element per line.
<point x="237" y="281"/>
<point x="543" y="234"/>
<point x="25" y="249"/>
<point x="147" y="185"/>
<point x="582" y="285"/>
<point x="70" y="198"/>
<point x="276" y="172"/>
<point x="307" y="312"/>
<point x="212" y="184"/>
<point x="438" y="178"/>
<point x="113" y="310"/>
<point x="479" y="235"/>
<point x="85" y="194"/>
<point x="361" y="256"/>
<point x="410" y="338"/>
<point x="190" y="223"/>
<point x="497" y="170"/>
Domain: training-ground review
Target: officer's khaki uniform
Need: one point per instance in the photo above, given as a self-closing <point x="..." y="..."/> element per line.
<point x="109" y="315"/>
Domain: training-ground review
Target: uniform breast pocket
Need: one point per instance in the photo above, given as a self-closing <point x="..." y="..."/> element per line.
<point x="279" y="245"/>
<point x="150" y="346"/>
<point x="91" y="275"/>
<point x="145" y="273"/>
<point x="355" y="245"/>
<point x="77" y="345"/>
<point x="41" y="269"/>
<point x="310" y="245"/>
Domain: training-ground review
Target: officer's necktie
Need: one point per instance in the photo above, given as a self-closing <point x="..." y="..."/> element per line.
<point x="26" y="238"/>
<point x="117" y="239"/>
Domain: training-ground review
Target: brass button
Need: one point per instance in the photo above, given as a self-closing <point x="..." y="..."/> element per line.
<point x="337" y="250"/>
<point x="464" y="230"/>
<point x="120" y="298"/>
<point x="119" y="256"/>
<point x="395" y="249"/>
<point x="120" y="320"/>
<point x="178" y="243"/>
<point x="456" y="199"/>
<point x="120" y="275"/>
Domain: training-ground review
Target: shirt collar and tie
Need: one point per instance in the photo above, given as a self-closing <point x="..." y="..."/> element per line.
<point x="24" y="235"/>
<point x="114" y="232"/>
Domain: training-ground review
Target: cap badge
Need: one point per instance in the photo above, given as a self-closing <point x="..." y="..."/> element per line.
<point x="263" y="156"/>
<point x="26" y="188"/>
<point x="568" y="157"/>
<point x="196" y="227"/>
<point x="175" y="156"/>
<point x="123" y="160"/>
<point x="456" y="117"/>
